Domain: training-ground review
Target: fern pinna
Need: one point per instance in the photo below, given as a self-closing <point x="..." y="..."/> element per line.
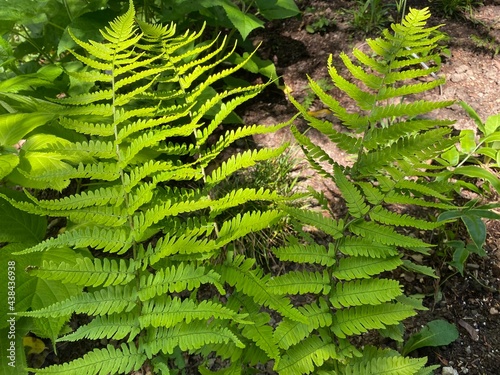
<point x="148" y="232"/>
<point x="390" y="141"/>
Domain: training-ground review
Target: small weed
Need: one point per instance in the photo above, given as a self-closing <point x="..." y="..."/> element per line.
<point x="370" y="15"/>
<point x="489" y="44"/>
<point x="453" y="8"/>
<point x="319" y="21"/>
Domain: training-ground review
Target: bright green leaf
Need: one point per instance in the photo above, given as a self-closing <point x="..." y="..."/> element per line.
<point x="435" y="333"/>
<point x="14" y="126"/>
<point x="478" y="172"/>
<point x="7" y="164"/>
<point x="476" y="228"/>
<point x="467" y="140"/>
<point x="492" y="124"/>
<point x="17" y="225"/>
<point x="277" y="9"/>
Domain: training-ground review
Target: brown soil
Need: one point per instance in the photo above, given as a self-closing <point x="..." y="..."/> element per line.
<point x="471" y="301"/>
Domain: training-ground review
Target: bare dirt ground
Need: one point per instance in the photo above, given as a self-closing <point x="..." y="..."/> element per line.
<point x="471" y="302"/>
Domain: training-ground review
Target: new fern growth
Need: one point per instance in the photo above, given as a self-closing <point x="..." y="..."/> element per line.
<point x="392" y="145"/>
<point x="145" y="231"/>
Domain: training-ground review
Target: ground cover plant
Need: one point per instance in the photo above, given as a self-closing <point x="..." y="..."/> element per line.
<point x="165" y="277"/>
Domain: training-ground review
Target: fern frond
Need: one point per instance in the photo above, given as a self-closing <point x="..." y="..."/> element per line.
<point x="112" y="327"/>
<point x="237" y="273"/>
<point x="359" y="246"/>
<point x="364" y="292"/>
<point x="88" y="272"/>
<point x="190" y="336"/>
<point x="175" y="279"/>
<point x="300" y="282"/>
<point x="354" y="200"/>
<point x="312" y="254"/>
<point x="364" y="267"/>
<point x="387" y="217"/>
<point x="413" y="109"/>
<point x="168" y="312"/>
<point x="109" y="360"/>
<point x="360" y="319"/>
<point x="242" y="160"/>
<point x="89" y="128"/>
<point x="399" y="198"/>
<point x="390" y="365"/>
<point x="377" y="136"/>
<point x="91" y="198"/>
<point x="385" y="235"/>
<point x="304" y="357"/>
<point x="289" y="332"/>
<point x="110" y="300"/>
<point x="329" y="226"/>
<point x="240" y="196"/>
<point x="261" y="333"/>
<point x="114" y="240"/>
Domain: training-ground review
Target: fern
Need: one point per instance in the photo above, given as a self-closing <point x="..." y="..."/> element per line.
<point x="388" y="141"/>
<point x="143" y="154"/>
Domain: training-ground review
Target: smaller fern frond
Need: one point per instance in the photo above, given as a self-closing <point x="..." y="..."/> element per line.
<point x="364" y="292"/>
<point x="300" y="282"/>
<point x="354" y="199"/>
<point x="359" y="246"/>
<point x="306" y="356"/>
<point x="237" y="273"/>
<point x="110" y="300"/>
<point x="112" y="240"/>
<point x="385" y="235"/>
<point x="88" y="272"/>
<point x="112" y="327"/>
<point x="332" y="227"/>
<point x="360" y="319"/>
<point x="108" y="360"/>
<point x="312" y="254"/>
<point x="187" y="337"/>
<point x="289" y="332"/>
<point x="364" y="267"/>
<point x="168" y="312"/>
<point x="175" y="279"/>
<point x="387" y="217"/>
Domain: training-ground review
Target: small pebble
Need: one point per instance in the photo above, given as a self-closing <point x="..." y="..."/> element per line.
<point x="493" y="311"/>
<point x="449" y="371"/>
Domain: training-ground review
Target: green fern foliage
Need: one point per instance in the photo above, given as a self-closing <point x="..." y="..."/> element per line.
<point x="391" y="142"/>
<point x="143" y="153"/>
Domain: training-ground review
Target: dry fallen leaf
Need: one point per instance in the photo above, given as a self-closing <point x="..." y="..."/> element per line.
<point x="470" y="329"/>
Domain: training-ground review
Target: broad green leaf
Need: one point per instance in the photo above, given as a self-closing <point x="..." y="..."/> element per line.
<point x="452" y="156"/>
<point x="25" y="11"/>
<point x="473" y="115"/>
<point x="14" y="126"/>
<point x="478" y="172"/>
<point x="7" y="164"/>
<point x="277" y="9"/>
<point x="467" y="140"/>
<point x="476" y="228"/>
<point x="17" y="225"/>
<point x="492" y="124"/>
<point x="494" y="137"/>
<point x="256" y="65"/>
<point x="42" y="78"/>
<point x="435" y="333"/>
<point x="245" y="23"/>
<point x="35" y="293"/>
<point x="85" y="27"/>
<point x="424" y="270"/>
<point x="13" y="365"/>
<point x="460" y="255"/>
